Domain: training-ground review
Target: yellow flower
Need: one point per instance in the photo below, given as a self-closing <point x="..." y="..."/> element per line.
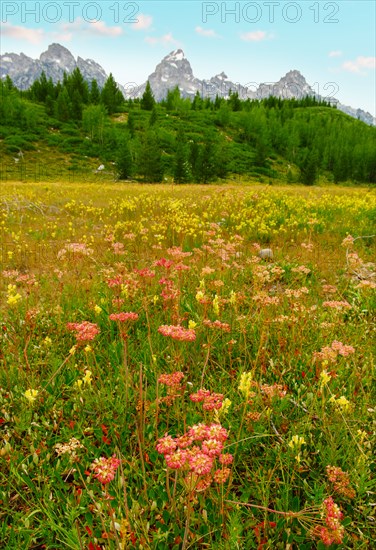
<point x="324" y="378"/>
<point x="97" y="309"/>
<point x="296" y="441"/>
<point x="31" y="395"/>
<point x="87" y="378"/>
<point x="232" y="299"/>
<point x="216" y="304"/>
<point x="343" y="402"/>
<point x="245" y="383"/>
<point x="47" y="341"/>
<point x="72" y="351"/>
<point x="199" y="295"/>
<point x="192" y="324"/>
<point x="13" y="299"/>
<point x="88" y="349"/>
<point x="226" y="404"/>
<point x="155" y="299"/>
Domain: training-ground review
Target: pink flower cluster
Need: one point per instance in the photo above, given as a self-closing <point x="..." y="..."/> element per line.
<point x="105" y="468"/>
<point x="330" y="353"/>
<point x="340" y="481"/>
<point x="333" y="531"/>
<point x="196" y="452"/>
<point x="85" y="331"/>
<point x="217" y="325"/>
<point x="178" y="333"/>
<point x="211" y="400"/>
<point x="171" y="380"/>
<point x="122" y="316"/>
<point x="335" y="304"/>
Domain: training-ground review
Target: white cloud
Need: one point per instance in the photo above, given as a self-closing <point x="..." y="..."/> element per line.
<point x="165" y="39"/>
<point x="95" y="28"/>
<point x="254" y="36"/>
<point x="360" y="64"/>
<point x="335" y="53"/>
<point x="209" y="33"/>
<point x="34" y="36"/>
<point x="144" y="22"/>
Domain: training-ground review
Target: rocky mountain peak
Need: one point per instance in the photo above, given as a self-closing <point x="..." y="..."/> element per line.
<point x="56" y="53"/>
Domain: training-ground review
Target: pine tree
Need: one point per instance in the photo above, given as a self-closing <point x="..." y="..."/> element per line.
<point x="124" y="161"/>
<point x="150" y="160"/>
<point x="95" y="93"/>
<point x="153" y="117"/>
<point x="181" y="164"/>
<point x="63" y="106"/>
<point x="147" y="100"/>
<point x="111" y="96"/>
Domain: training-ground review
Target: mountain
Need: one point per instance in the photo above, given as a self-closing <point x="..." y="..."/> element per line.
<point x="174" y="70"/>
<point x="24" y="70"/>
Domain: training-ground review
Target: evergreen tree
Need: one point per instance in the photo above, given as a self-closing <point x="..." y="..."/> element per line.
<point x="95" y="93"/>
<point x="63" y="106"/>
<point x="173" y="99"/>
<point x="181" y="165"/>
<point x="130" y="124"/>
<point x="197" y="102"/>
<point x="150" y="159"/>
<point x="124" y="160"/>
<point x="111" y="96"/>
<point x="153" y="116"/>
<point x="147" y="100"/>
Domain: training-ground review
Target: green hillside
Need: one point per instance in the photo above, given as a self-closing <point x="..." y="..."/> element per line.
<point x="69" y="129"/>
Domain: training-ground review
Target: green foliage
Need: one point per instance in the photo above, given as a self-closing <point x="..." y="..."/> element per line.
<point x="147" y="100"/>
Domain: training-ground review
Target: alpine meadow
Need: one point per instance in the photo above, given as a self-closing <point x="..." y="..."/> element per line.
<point x="187" y="320"/>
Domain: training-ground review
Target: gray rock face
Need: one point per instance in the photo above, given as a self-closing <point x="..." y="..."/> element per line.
<point x="54" y="62"/>
<point x="174" y="70"/>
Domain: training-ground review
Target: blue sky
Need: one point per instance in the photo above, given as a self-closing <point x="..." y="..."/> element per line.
<point x="331" y="43"/>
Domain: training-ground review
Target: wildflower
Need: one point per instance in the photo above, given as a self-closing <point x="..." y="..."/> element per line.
<point x="226" y="458"/>
<point x="296" y="441"/>
<point x="84" y="331"/>
<point x="122" y="317"/>
<point x="98" y="310"/>
<point x="87" y="379"/>
<point x="166" y="445"/>
<point x="184" y="441"/>
<point x="200" y="462"/>
<point x="105" y="468"/>
<point x="245" y="383"/>
<point x="216" y="431"/>
<point x="72" y="351"/>
<point x="191" y="324"/>
<point x="88" y="349"/>
<point x="212" y="447"/>
<point x="221" y="476"/>
<point x="178" y="333"/>
<point x="335" y="304"/>
<point x="324" y="378"/>
<point x="199" y="432"/>
<point x="348" y="241"/>
<point x="47" y="341"/>
<point x="13" y="296"/>
<point x="171" y="380"/>
<point x="70" y="447"/>
<point x="340" y="481"/>
<point x="31" y="395"/>
<point x="216" y="304"/>
<point x="226" y="404"/>
<point x="333" y="531"/>
<point x="225" y="327"/>
<point x="177" y="459"/>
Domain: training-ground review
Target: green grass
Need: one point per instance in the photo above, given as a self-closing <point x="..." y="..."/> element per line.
<point x="65" y="403"/>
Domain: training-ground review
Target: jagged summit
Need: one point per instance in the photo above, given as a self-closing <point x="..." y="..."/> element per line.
<point x="176" y="55"/>
<point x="173" y="70"/>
